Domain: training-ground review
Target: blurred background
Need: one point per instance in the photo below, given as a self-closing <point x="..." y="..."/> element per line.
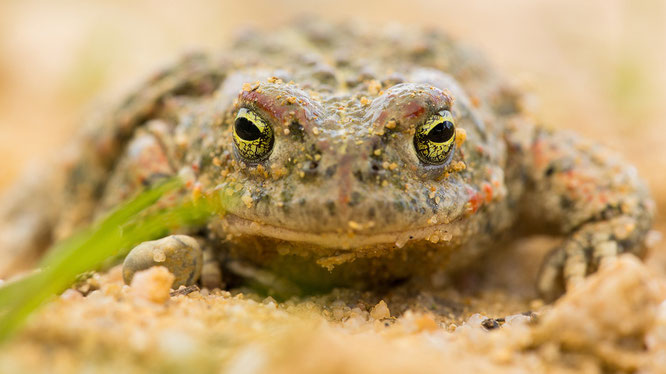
<point x="597" y="66"/>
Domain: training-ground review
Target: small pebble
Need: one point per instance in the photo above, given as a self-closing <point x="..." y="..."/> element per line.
<point x="426" y="322"/>
<point x="380" y="311"/>
<point x="180" y="254"/>
<point x="153" y="284"/>
<point x="490" y="324"/>
<point x="182" y="290"/>
<point x="71" y="294"/>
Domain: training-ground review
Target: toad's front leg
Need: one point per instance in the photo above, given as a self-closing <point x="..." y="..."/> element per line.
<point x="182" y="255"/>
<point x="580" y="189"/>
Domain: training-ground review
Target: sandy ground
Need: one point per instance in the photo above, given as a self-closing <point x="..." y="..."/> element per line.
<point x="595" y="66"/>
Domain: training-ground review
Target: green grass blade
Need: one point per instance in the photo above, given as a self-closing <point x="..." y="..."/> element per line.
<point x="125" y="227"/>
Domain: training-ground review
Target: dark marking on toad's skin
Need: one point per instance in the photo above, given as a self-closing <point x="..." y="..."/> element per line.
<point x="343" y="198"/>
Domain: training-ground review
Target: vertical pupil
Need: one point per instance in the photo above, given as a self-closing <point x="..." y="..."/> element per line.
<point x="246" y="130"/>
<point x="442" y="132"/>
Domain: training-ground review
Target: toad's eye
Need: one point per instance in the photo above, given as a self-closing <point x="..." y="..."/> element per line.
<point x="435" y="139"/>
<point x="253" y="136"/>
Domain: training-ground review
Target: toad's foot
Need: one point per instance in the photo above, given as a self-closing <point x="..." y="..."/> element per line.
<point x="585" y="251"/>
<point x="586" y="193"/>
<point x="180" y="254"/>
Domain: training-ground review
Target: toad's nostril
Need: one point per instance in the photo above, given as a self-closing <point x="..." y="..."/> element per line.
<point x="310" y="168"/>
<point x="375" y="167"/>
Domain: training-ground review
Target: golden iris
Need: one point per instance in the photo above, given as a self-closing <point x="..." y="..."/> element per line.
<point x="253" y="136"/>
<point x="435" y="139"/>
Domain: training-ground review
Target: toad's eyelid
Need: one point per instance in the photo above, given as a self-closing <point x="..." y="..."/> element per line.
<point x="281" y="105"/>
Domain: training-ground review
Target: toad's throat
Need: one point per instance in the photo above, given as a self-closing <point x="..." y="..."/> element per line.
<point x="350" y="240"/>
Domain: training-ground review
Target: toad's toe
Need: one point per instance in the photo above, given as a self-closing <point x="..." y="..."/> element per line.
<point x="180" y="254"/>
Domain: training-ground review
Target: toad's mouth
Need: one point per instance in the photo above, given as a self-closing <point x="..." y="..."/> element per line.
<point x="349" y="239"/>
